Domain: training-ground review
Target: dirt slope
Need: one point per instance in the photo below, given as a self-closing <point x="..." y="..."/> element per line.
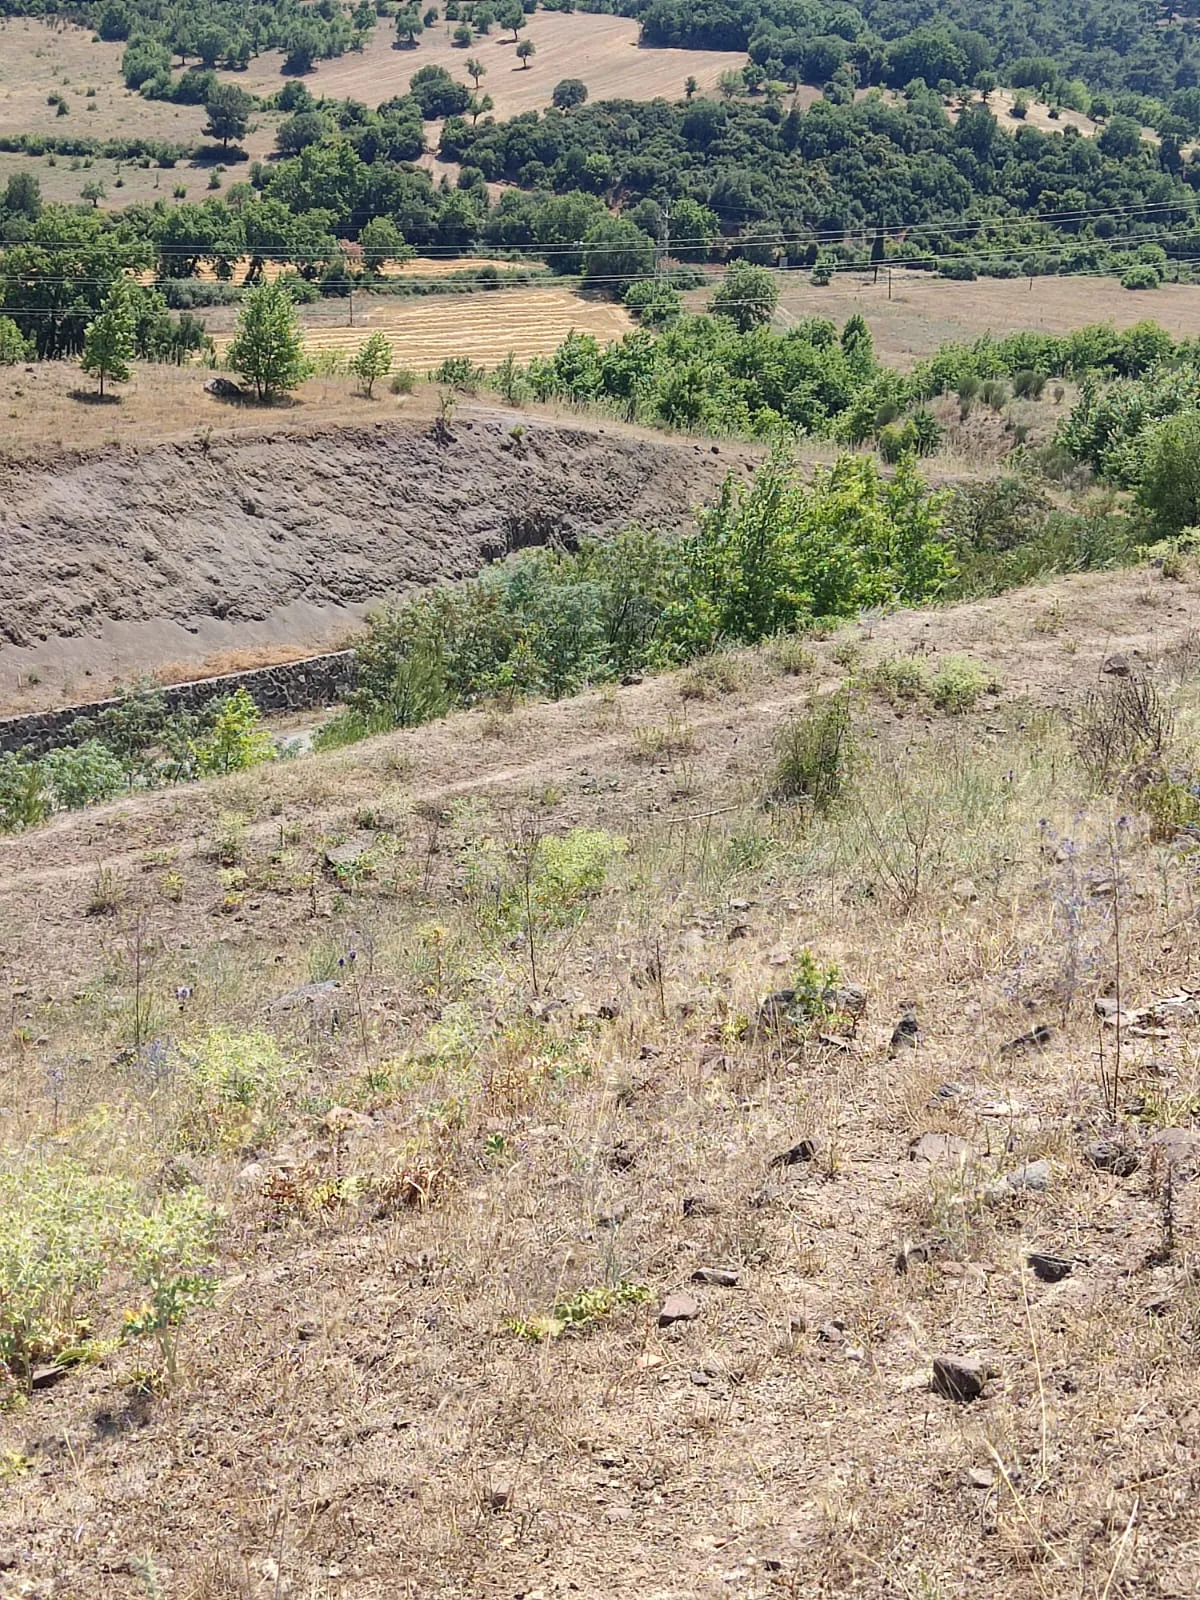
<point x="357" y="1418"/>
<point x="116" y="562"/>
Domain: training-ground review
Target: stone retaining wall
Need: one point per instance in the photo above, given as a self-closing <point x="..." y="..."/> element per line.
<point x="291" y="686"/>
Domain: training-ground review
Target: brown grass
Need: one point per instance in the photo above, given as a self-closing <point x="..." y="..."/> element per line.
<point x="925" y="311"/>
<point x="511" y="1148"/>
<point x="601" y="50"/>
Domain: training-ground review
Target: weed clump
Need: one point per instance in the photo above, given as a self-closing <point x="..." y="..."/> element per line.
<point x="814" y="753"/>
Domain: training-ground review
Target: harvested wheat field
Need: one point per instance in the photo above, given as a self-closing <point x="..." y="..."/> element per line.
<point x="554" y="1256"/>
<point x="483" y="326"/>
<point x="602" y="50"/>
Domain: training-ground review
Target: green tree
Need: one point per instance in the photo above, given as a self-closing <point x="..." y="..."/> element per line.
<point x="93" y="191"/>
<point x="525" y="52"/>
<point x="1170" y="481"/>
<point x="512" y="16"/>
<point x="228" y="110"/>
<point x="748" y="296"/>
<point x="409" y="23"/>
<point x="13" y="347"/>
<point x="615" y="253"/>
<point x="382" y="241"/>
<point x="372" y="361"/>
<point x="108" y="342"/>
<point x="475" y="70"/>
<point x="266" y="349"/>
<point x="570" y="92"/>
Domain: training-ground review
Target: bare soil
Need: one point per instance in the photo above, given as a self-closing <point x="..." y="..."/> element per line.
<point x="115" y="562"/>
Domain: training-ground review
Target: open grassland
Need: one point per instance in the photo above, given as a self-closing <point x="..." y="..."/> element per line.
<point x="602" y="51"/>
<point x="925" y="311"/>
<point x="547" y="1260"/>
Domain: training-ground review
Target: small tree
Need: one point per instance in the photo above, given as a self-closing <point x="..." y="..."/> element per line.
<point x="382" y="241"/>
<point x="373" y="360"/>
<point x="228" y="109"/>
<point x="94" y="191"/>
<point x="569" y="93"/>
<point x="689" y="88"/>
<point x="266" y="348"/>
<point x="108" y="342"/>
<point x="475" y="70"/>
<point x="512" y="16"/>
<point x="478" y="107"/>
<point x="13" y="345"/>
<point x="409" y="23"/>
<point x="747" y="296"/>
<point x="525" y="51"/>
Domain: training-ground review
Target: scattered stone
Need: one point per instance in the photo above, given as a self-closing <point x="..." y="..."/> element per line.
<point x="225" y="389"/>
<point x="804" y="1150"/>
<point x="8" y="1561"/>
<point x="906" y="1035"/>
<point x="609" y="1010"/>
<point x="699" y="1205"/>
<point x="1106" y="1155"/>
<point x="1033" y="1177"/>
<point x="500" y="1493"/>
<point x="981" y="1478"/>
<point x="718" y="1277"/>
<point x="701" y="1379"/>
<point x="351" y="853"/>
<point x="621" y="1157"/>
<point x="964" y="891"/>
<point x="948" y="1091"/>
<point x="306" y="1331"/>
<point x="1116" y="666"/>
<point x="251" y="1177"/>
<point x="1178" y="1149"/>
<point x="1036" y="1039"/>
<point x="46" y="1377"/>
<point x="320" y="998"/>
<point x="1050" y="1269"/>
<point x="739" y="905"/>
<point x="613" y="1218"/>
<point x="740" y="930"/>
<point x="918" y="1253"/>
<point x="832" y="1332"/>
<point x="933" y="1147"/>
<point x="678" y="1308"/>
<point x="958" y="1378"/>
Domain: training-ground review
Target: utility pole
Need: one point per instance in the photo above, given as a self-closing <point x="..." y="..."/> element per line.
<point x="665" y="241"/>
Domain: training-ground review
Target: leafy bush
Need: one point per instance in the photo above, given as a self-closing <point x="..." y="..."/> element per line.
<point x="235" y="738"/>
<point x="64" y="1231"/>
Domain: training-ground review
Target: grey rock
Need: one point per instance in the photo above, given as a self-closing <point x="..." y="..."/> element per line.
<point x="964" y="891"/>
<point x="678" y="1308"/>
<point x="936" y="1147"/>
<point x="717" y="1277"/>
<point x="351" y="853"/>
<point x="958" y="1378"/>
<point x="1177" y="1148"/>
<point x="1107" y="1155"/>
<point x="699" y="1205"/>
<point x="906" y="1035"/>
<point x="1036" y="1039"/>
<point x="918" y="1252"/>
<point x="1033" y="1177"/>
<point x="1116" y="666"/>
<point x="1050" y="1268"/>
<point x="803" y="1150"/>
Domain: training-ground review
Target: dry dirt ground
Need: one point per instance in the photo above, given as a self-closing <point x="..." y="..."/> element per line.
<point x="116" y="562"/>
<point x="362" y="1413"/>
<point x="601" y="50"/>
<point x="925" y="311"/>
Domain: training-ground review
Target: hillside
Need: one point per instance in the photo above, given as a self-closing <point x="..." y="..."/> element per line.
<point x="117" y="562"/>
<point x="421" y="1372"/>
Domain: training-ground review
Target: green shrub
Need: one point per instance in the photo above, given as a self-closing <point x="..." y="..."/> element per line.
<point x="814" y="752"/>
<point x="958" y="683"/>
<point x="64" y="1231"/>
<point x="901" y="678"/>
<point x="24" y="798"/>
<point x="231" y="1090"/>
<point x="82" y="775"/>
<point x="403" y="382"/>
<point x="235" y="738"/>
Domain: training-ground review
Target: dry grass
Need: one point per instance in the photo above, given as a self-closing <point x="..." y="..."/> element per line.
<point x="601" y="50"/>
<point x="472" y="1149"/>
<point x="925" y="311"/>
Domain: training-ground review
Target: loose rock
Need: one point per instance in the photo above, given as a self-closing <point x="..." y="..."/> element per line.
<point x="718" y="1277"/>
<point x="934" y="1147"/>
<point x="1178" y="1149"/>
<point x="803" y="1150"/>
<point x="1050" y="1269"/>
<point x="958" y="1378"/>
<point x="678" y="1308"/>
<point x="1034" y="1177"/>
